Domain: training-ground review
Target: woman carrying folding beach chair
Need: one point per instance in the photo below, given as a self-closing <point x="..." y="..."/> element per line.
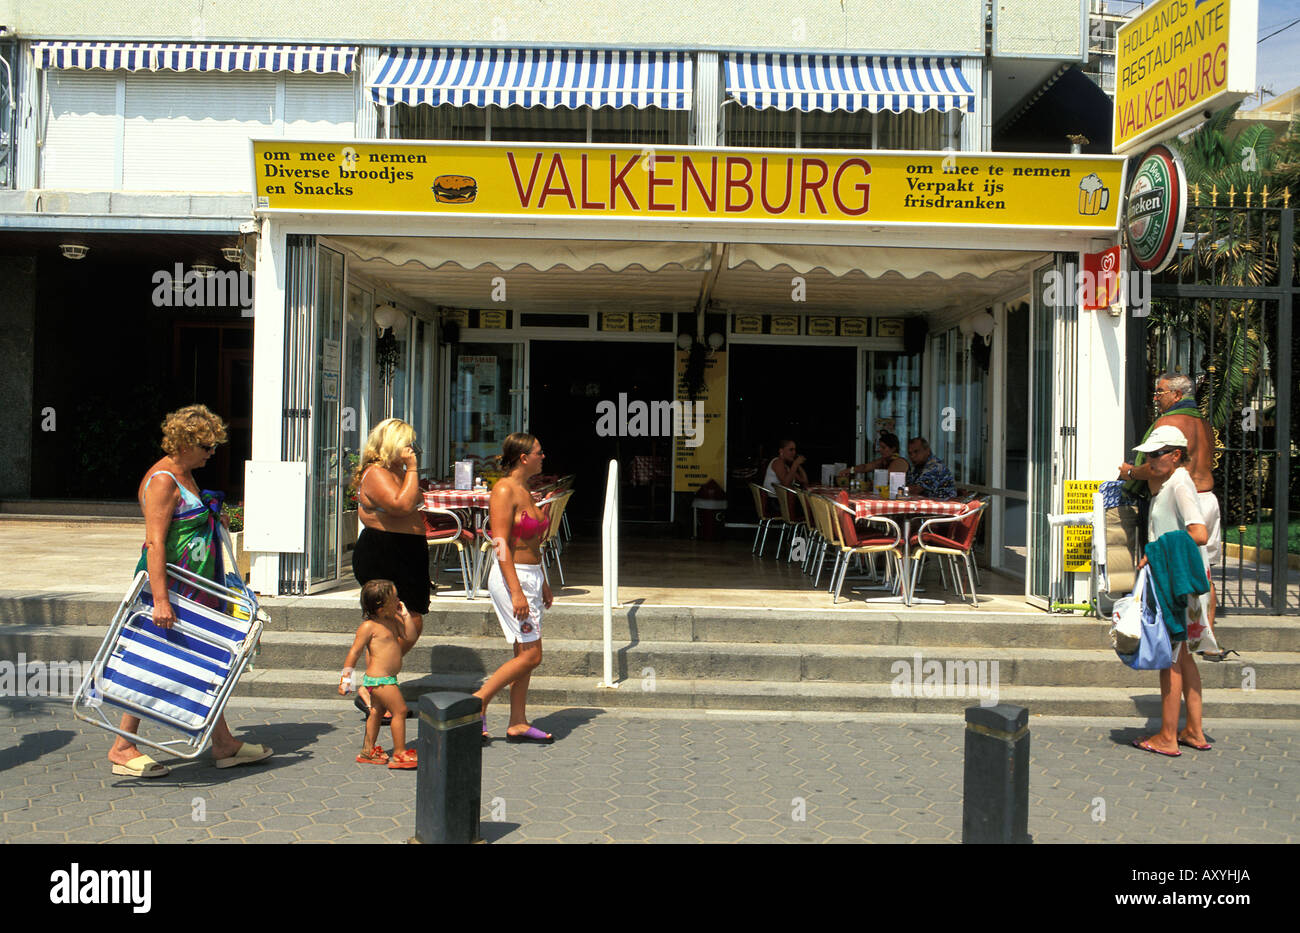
<point x="180" y="529"/>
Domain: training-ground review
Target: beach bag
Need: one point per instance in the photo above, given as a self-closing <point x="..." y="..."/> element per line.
<point x="1154" y="651"/>
<point x="1126" y="620"/>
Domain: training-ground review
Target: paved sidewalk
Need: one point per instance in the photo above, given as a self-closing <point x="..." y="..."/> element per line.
<point x="646" y="777"/>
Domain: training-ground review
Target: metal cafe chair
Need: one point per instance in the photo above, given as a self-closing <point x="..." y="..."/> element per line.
<point x="792" y="514"/>
<point x="853" y="544"/>
<point x="552" y="545"/>
<point x="443" y="529"/>
<point x="768" y="513"/>
<point x="947" y="548"/>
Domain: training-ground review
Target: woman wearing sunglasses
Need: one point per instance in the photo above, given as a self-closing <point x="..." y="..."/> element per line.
<point x="180" y="525"/>
<point x="1175" y="507"/>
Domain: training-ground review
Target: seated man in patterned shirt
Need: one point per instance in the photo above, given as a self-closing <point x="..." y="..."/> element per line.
<point x="928" y="476"/>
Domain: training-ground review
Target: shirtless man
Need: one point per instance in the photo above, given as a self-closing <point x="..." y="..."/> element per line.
<point x="1174" y="397"/>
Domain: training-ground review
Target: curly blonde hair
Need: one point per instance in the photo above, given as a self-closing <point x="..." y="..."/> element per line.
<point x="384" y="446"/>
<point x="192" y="426"/>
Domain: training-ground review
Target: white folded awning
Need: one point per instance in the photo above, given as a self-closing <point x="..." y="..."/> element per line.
<point x="578" y="255"/>
<point x="847" y="82"/>
<point x="182" y="56"/>
<point x="533" y="78"/>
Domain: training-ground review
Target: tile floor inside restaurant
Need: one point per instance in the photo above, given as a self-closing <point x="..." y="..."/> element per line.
<point x="100" y="557"/>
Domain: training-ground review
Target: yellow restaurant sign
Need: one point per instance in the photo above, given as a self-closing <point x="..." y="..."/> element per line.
<point x="1177" y="61"/>
<point x="513" y="180"/>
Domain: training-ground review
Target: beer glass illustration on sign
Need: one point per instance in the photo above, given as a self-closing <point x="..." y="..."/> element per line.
<point x="1094" y="196"/>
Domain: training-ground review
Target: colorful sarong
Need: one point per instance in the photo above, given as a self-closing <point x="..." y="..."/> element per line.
<point x="193" y="545"/>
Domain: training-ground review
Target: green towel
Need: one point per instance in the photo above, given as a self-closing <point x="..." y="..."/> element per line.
<point x="1137" y="488"/>
<point x="1177" y="573"/>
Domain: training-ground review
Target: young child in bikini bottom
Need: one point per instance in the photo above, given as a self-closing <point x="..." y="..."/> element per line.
<point x="385" y="634"/>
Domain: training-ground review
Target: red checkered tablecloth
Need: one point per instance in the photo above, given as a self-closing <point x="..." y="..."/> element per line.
<point x="865" y="505"/>
<point x="441" y="498"/>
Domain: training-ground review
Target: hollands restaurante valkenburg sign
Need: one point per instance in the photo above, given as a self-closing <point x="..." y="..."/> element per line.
<point x="1176" y="62"/>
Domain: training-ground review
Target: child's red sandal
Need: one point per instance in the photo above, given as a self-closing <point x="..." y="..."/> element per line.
<point x="376" y="756"/>
<point x="404" y="761"/>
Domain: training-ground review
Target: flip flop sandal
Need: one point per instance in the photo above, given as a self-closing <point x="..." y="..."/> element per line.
<point x="376" y="756"/>
<point x="404" y="761"/>
<point x="248" y="754"/>
<point x="141" y="766"/>
<point x="1199" y="748"/>
<point x="1220" y="656"/>
<point x="532" y="735"/>
<point x="1148" y="747"/>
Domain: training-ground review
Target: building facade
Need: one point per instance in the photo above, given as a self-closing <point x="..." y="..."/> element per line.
<point x="147" y="188"/>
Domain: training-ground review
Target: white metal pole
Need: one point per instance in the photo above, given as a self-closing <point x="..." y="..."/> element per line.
<point x="609" y="570"/>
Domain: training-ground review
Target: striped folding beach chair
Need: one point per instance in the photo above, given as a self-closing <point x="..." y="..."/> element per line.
<point x="179" y="677"/>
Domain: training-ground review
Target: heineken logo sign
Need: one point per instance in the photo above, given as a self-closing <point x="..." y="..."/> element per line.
<point x="1155" y="209"/>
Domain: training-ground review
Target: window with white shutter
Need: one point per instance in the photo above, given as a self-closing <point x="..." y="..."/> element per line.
<point x="82" y="131"/>
<point x="189" y="132"/>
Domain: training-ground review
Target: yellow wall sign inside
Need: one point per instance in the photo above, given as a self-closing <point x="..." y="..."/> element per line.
<point x="507" y="179"/>
<point x="1177" y="60"/>
<point x="707" y="459"/>
<point x="1078" y="538"/>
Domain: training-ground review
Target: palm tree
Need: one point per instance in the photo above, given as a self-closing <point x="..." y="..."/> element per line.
<point x="1230" y="240"/>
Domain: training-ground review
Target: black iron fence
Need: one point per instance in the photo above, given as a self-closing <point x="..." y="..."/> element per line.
<point x="1223" y="315"/>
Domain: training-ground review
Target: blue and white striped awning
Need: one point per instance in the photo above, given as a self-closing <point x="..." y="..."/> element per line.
<point x="183" y="56"/>
<point x="847" y="82"/>
<point x="533" y="78"/>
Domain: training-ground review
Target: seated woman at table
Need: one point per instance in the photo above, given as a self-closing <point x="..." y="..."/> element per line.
<point x="392" y="545"/>
<point x="888" y="459"/>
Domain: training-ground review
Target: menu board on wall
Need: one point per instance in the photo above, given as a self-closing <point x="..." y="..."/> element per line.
<point x="614" y="320"/>
<point x="700" y="448"/>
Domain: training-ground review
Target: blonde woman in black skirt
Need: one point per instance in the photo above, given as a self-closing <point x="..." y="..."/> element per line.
<point x="392" y="543"/>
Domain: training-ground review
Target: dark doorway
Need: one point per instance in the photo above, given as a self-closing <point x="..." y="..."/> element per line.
<point x="804" y="393"/>
<point x="568" y="379"/>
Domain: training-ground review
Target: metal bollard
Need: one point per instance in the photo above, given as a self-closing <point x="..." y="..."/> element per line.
<point x="995" y="787"/>
<point x="450" y="773"/>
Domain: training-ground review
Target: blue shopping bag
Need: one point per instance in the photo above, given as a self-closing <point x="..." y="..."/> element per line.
<point x="1155" y="653"/>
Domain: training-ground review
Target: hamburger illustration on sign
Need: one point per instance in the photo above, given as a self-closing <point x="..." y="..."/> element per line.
<point x="454" y="189"/>
<point x="1156" y="209"/>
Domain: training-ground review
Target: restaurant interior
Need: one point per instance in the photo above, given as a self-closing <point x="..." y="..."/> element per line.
<point x="516" y="334"/>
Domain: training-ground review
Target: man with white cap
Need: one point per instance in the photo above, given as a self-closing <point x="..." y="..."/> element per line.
<point x="1174" y="507"/>
<point x="1175" y="397"/>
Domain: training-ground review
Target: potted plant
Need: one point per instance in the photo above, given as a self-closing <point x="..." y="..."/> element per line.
<point x="351" y="523"/>
<point x="235" y="514"/>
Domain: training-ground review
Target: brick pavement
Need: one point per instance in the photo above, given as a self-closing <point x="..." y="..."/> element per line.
<point x="642" y="777"/>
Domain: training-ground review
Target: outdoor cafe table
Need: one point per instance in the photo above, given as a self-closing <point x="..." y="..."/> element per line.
<point x="906" y="510"/>
<point x="446" y="496"/>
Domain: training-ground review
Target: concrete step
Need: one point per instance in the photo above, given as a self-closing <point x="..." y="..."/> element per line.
<point x="720" y="662"/>
<point x="458" y="617"/>
<point x="1142" y="702"/>
<point x="63" y="510"/>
